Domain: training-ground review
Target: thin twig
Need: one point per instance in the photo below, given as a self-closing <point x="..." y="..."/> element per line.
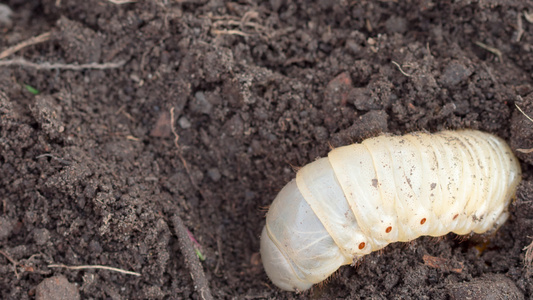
<point x="118" y="2"/>
<point x="187" y="249"/>
<point x="526" y="151"/>
<point x="528" y="16"/>
<point x="32" y="41"/>
<point x="241" y="24"/>
<point x="400" y="68"/>
<point x="220" y="259"/>
<point x="186" y="244"/>
<point x="229" y="32"/>
<point x="66" y="162"/>
<point x="443" y="264"/>
<point x="528" y="258"/>
<point x="50" y="66"/>
<point x="180" y="155"/>
<point x="176" y="138"/>
<point x="492" y="50"/>
<point x="9" y="258"/>
<point x="94" y="267"/>
<point x="225" y="23"/>
<point x="520" y="28"/>
<point x="197" y="246"/>
<point x="14" y="262"/>
<point x="528" y="117"/>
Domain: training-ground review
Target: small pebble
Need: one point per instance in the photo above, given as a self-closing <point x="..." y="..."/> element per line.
<point x="200" y="104"/>
<point x="354" y="47"/>
<point x="184" y="123"/>
<point x="214" y="174"/>
<point x="455" y="73"/>
<point x="488" y="286"/>
<point x="6" y="227"/>
<point x="234" y="126"/>
<point x="57" y="288"/>
<point x="5" y="16"/>
<point x="396" y="25"/>
<point x="135" y="77"/>
<point x="321" y="133"/>
<point x="41" y="236"/>
<point x="95" y="247"/>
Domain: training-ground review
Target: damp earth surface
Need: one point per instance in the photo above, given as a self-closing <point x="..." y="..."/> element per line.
<point x="123" y="115"/>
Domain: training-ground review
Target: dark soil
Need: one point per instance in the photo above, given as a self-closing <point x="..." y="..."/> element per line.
<point x="90" y="173"/>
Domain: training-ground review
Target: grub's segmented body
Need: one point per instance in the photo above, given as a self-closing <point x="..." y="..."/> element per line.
<point x="387" y="189"/>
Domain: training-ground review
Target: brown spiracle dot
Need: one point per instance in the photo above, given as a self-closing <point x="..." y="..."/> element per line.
<point x="423" y="221"/>
<point x="388" y="229"/>
<point x="361" y="246"/>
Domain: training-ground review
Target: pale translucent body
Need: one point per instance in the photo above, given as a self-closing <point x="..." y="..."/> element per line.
<point x="387" y="189"/>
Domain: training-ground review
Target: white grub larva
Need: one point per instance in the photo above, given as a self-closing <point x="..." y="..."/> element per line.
<point x="386" y="189"/>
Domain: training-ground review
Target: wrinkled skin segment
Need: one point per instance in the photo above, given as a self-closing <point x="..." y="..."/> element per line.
<point x="386" y="189"/>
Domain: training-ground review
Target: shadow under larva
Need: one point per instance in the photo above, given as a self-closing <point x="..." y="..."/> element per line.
<point x="362" y="197"/>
